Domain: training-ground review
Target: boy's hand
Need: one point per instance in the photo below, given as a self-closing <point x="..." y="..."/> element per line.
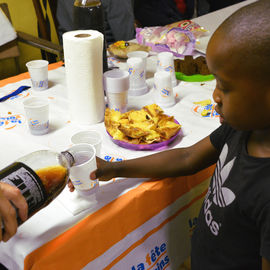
<point x="104" y="172"/>
<point x="70" y="186"/>
<point x="10" y="194"/>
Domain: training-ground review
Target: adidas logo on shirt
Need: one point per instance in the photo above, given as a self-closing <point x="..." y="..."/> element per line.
<point x="222" y="196"/>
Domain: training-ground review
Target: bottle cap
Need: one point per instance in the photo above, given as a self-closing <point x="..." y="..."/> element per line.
<point x="69" y="157"/>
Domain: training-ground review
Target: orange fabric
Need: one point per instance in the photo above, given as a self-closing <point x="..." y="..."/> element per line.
<point x="95" y="234"/>
<point x="26" y="75"/>
<point x="139" y="242"/>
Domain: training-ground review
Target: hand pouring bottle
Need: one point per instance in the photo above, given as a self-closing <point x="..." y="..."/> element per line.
<point x="40" y="176"/>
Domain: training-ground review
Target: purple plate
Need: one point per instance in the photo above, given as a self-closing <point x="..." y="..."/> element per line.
<point x="152" y="146"/>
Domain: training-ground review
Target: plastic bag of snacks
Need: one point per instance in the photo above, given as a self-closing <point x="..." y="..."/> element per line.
<point x="178" y="38"/>
<point x="197" y="30"/>
<point x="164" y="39"/>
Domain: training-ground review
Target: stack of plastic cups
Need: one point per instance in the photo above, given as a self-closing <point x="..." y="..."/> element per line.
<point x="140" y="54"/>
<point x="116" y="86"/>
<point x="166" y="63"/>
<point x="137" y="81"/>
<point x="164" y="95"/>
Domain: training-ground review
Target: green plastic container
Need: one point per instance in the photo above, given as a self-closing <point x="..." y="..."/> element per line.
<point x="193" y="78"/>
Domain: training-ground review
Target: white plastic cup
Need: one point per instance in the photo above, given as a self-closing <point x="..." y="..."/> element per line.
<point x="38" y="70"/>
<point x="164" y="95"/>
<point x="137" y="81"/>
<point x="166" y="63"/>
<point x="116" y="85"/>
<point x="88" y="136"/>
<point x="85" y="162"/>
<point x="37" y="114"/>
<point x="140" y="54"/>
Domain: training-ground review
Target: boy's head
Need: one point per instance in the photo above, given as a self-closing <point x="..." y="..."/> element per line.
<point x="238" y="54"/>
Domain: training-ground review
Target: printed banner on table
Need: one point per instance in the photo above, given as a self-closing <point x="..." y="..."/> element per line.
<point x="148" y="227"/>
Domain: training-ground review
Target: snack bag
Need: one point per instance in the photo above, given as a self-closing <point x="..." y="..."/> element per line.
<point x="197" y="30"/>
<point x="167" y="39"/>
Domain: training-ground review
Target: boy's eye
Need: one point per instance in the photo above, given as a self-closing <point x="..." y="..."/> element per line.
<point x="221" y="87"/>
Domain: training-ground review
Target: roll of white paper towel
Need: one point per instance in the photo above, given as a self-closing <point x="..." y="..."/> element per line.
<point x="83" y="65"/>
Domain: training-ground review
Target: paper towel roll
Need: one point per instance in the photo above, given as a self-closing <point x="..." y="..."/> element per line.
<point x="83" y="64"/>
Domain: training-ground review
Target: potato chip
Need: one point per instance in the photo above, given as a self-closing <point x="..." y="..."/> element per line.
<point x="133" y="131"/>
<point x="137" y="116"/>
<point x="167" y="131"/>
<point x="118" y="135"/>
<point x="152" y="137"/>
<point x="153" y="109"/>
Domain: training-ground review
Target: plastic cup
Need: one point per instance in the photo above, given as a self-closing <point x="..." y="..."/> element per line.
<point x="137" y="82"/>
<point x="38" y="70"/>
<point x="140" y="54"/>
<point x="166" y="63"/>
<point x="88" y="136"/>
<point x="163" y="89"/>
<point x="37" y="114"/>
<point x="116" y="85"/>
<point x="85" y="162"/>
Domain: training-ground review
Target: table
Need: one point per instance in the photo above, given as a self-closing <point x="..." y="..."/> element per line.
<point x="129" y="223"/>
<point x="127" y="218"/>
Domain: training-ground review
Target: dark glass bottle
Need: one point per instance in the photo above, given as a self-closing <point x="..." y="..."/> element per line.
<point x="40" y="176"/>
<point x="89" y="15"/>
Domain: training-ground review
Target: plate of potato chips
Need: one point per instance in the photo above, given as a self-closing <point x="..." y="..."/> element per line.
<point x="145" y="129"/>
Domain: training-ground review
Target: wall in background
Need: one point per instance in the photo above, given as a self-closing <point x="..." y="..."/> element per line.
<point x="24" y="19"/>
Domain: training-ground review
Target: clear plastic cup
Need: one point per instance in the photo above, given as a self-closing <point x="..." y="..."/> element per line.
<point x="88" y="136"/>
<point x="37" y="114"/>
<point x="164" y="95"/>
<point x="116" y="85"/>
<point x="38" y="70"/>
<point x="85" y="162"/>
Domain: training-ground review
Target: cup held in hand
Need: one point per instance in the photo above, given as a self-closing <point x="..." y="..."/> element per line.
<point x="85" y="162"/>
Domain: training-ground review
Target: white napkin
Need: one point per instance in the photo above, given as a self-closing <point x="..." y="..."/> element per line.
<point x="75" y="203"/>
<point x="101" y="196"/>
<point x="7" y="32"/>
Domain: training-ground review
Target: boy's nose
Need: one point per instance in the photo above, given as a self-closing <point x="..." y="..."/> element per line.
<point x="216" y="95"/>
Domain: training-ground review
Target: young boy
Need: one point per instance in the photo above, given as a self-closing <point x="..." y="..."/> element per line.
<point x="233" y="230"/>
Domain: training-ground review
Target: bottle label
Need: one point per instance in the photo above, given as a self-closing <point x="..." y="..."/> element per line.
<point x="28" y="182"/>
